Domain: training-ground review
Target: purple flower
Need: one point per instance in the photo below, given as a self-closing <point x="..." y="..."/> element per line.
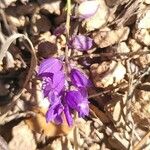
<point x="55" y="87"/>
<point x="53" y="77"/>
<point x="79" y="79"/>
<point x="60" y="30"/>
<point x="77" y="101"/>
<point x="50" y="66"/>
<point x="88" y="8"/>
<point x="81" y="42"/>
<point x="54" y="112"/>
<point x="67" y="112"/>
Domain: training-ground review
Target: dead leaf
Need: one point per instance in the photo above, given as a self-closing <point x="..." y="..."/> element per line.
<point x="110" y="37"/>
<point x="114" y="74"/>
<point x="6" y="3"/>
<point x="3" y="144"/>
<point x="101" y="115"/>
<point x="52" y="7"/>
<point x="33" y="64"/>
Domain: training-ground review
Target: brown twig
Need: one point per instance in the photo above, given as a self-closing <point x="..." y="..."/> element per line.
<point x="129" y="54"/>
<point x="142" y="142"/>
<point x="5" y="118"/>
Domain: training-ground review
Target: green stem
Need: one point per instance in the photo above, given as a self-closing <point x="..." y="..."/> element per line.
<point x="67" y="60"/>
<point x="67" y="30"/>
<point x="68" y="17"/>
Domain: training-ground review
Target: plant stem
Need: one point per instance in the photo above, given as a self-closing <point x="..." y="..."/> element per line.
<point x="67" y="60"/>
<point x="67" y="30"/>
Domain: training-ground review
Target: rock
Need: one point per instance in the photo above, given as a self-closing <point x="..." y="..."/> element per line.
<point x="99" y="19"/>
<point x="123" y="48"/>
<point x="143" y="36"/>
<point x="144" y="20"/>
<point x="134" y="45"/>
<point x="144" y="60"/>
<point x="94" y="147"/>
<point x="141" y="108"/>
<point x="23" y="138"/>
<point x="147" y="2"/>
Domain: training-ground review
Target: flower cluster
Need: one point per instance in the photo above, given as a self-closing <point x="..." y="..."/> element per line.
<point x="67" y="92"/>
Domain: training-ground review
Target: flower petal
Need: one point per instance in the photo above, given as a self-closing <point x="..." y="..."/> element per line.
<point x="75" y="100"/>
<point x="79" y="79"/>
<point x="46" y="85"/>
<point x="58" y="82"/>
<point x="50" y="65"/>
<point x="60" y="30"/>
<point x="68" y="115"/>
<point x="84" y="106"/>
<point x="81" y="42"/>
<point x="54" y="85"/>
<point x="54" y="112"/>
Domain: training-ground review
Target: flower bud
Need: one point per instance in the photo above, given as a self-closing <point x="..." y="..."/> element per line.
<point x="88" y="8"/>
<point x="81" y="42"/>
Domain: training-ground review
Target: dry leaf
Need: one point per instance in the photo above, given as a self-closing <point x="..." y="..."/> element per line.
<point x="116" y="110"/>
<point x="111" y="3"/>
<point x="52" y="7"/>
<point x="7" y="44"/>
<point x="3" y="144"/>
<point x="118" y="143"/>
<point x="99" y="19"/>
<point x="101" y="115"/>
<point x="6" y="3"/>
<point x="110" y="37"/>
<point x="17" y="21"/>
<point x="114" y="74"/>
